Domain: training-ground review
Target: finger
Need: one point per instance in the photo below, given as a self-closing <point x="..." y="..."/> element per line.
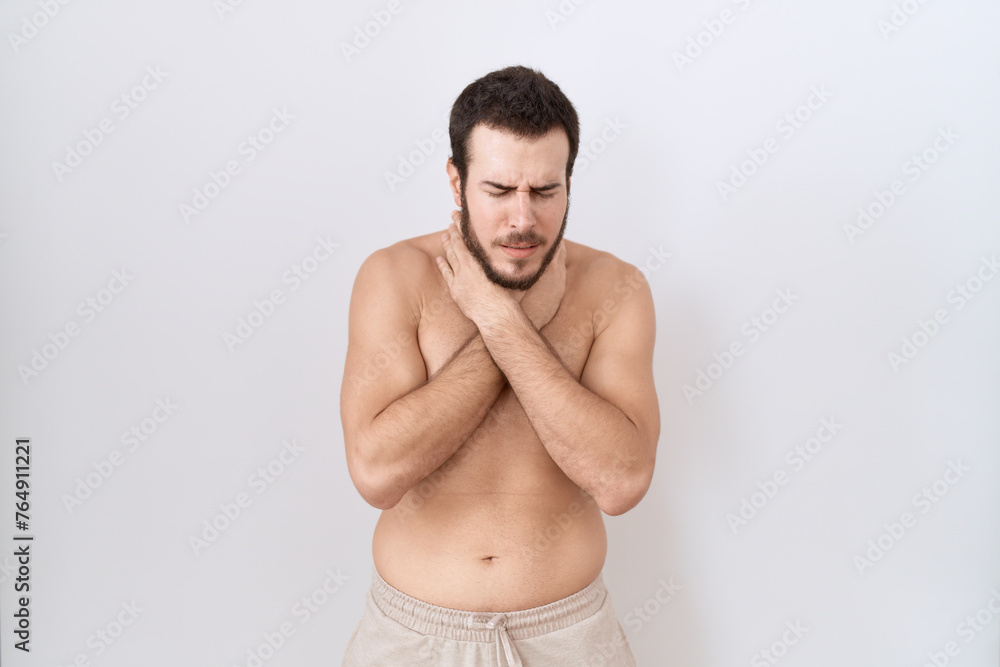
<point x="456" y="248"/>
<point x="448" y="243"/>
<point x="451" y="257"/>
<point x="445" y="269"/>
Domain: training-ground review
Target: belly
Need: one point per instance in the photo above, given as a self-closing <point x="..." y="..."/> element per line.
<point x="498" y="527"/>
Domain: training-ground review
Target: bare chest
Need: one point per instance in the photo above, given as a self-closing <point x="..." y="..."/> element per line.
<point x="443" y="330"/>
<point x="504" y="450"/>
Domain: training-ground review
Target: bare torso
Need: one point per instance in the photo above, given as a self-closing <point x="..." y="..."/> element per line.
<point x="499" y="526"/>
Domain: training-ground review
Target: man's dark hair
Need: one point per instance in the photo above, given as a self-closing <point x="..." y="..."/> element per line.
<point x="515" y="99"/>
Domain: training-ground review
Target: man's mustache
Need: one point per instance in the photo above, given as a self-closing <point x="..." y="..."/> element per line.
<point x="530" y="238"/>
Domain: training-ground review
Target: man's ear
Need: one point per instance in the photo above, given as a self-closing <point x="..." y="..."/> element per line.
<point x="455" y="181"/>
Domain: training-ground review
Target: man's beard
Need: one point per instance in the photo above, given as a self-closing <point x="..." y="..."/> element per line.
<point x="476" y="248"/>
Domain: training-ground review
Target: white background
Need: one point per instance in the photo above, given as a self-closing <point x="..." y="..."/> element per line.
<point x="684" y="127"/>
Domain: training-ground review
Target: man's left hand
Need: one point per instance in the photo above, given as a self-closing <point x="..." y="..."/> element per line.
<point x="477" y="296"/>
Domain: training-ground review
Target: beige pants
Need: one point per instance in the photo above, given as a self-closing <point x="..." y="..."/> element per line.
<point x="397" y="630"/>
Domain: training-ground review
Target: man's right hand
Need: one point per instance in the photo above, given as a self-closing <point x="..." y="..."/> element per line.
<point x="541" y="302"/>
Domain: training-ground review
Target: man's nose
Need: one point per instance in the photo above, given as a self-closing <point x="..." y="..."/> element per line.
<point x="523" y="215"/>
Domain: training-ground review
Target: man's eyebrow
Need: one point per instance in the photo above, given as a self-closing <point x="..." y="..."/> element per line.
<point x="500" y="186"/>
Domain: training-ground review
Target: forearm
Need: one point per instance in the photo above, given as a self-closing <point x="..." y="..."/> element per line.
<point x="591" y="440"/>
<point x="418" y="432"/>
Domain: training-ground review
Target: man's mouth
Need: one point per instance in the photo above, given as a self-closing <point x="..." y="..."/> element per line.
<point x="519" y="250"/>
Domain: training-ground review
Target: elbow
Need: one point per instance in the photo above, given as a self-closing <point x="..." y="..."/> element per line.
<point x="373" y="481"/>
<point x="375" y="491"/>
<point x="622" y="485"/>
<point x="378" y="496"/>
<point x="622" y="496"/>
<point x="619" y="504"/>
<point x="383" y="501"/>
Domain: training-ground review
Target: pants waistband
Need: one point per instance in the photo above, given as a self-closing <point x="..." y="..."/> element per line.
<point x="462" y="625"/>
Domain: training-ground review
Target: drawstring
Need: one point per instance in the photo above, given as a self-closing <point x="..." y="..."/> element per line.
<point x="498" y="622"/>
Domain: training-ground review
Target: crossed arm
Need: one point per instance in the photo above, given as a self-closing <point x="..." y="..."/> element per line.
<point x="400" y="426"/>
<point x="607" y="448"/>
<point x="601" y="430"/>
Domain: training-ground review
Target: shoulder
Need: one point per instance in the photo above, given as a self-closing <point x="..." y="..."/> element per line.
<point x="612" y="289"/>
<point x="600" y="273"/>
<point x="407" y="268"/>
<point x="400" y="277"/>
<point x="409" y="258"/>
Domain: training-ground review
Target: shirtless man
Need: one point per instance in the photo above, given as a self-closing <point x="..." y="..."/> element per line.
<point x="497" y="397"/>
